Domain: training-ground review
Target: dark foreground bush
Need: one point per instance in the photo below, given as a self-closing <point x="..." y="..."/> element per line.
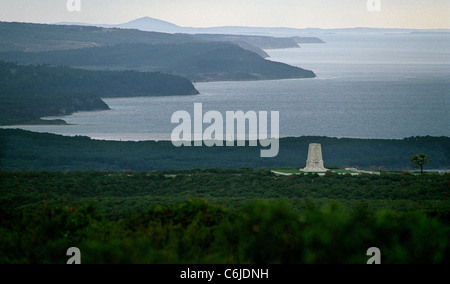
<point x="196" y="232"/>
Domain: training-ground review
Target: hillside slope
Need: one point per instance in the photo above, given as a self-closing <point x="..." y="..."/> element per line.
<point x="123" y="49"/>
<point x="40" y="37"/>
<point x="28" y="93"/>
<point x="200" y="61"/>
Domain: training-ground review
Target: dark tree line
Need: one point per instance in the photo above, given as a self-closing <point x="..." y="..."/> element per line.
<point x="33" y="151"/>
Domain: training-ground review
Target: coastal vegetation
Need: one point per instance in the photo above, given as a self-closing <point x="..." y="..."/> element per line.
<point x="29" y="93"/>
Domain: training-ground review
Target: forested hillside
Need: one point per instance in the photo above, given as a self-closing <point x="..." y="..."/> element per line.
<point x="28" y="93"/>
<point x="200" y="61"/>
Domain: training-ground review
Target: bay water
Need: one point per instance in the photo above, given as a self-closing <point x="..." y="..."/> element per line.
<point x="367" y="86"/>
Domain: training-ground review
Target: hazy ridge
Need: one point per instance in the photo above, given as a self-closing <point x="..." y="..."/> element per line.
<point x="120" y="49"/>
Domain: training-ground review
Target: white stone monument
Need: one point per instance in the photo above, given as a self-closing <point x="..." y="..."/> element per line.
<point x="315" y="160"/>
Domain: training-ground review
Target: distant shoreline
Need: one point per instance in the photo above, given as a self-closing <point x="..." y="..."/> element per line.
<point x="165" y="137"/>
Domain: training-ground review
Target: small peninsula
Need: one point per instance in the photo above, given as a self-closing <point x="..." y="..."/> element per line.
<point x="31" y="92"/>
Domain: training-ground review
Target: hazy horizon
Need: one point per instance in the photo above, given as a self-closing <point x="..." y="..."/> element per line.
<point x="324" y="14"/>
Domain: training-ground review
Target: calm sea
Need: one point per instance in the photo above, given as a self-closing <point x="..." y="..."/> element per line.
<point x="368" y="86"/>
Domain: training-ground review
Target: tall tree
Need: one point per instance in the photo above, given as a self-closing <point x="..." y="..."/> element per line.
<point x="419" y="161"/>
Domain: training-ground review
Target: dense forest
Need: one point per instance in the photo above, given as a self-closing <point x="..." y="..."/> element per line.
<point x="28" y="93"/>
<point x="122" y="194"/>
<point x="243" y="216"/>
<point x="34" y="151"/>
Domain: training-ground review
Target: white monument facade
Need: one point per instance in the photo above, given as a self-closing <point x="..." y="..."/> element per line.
<point x="315" y="159"/>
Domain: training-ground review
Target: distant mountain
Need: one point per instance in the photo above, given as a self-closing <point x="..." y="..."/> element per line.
<point x="156" y="25"/>
<point x="308" y="35"/>
<point x="151" y="24"/>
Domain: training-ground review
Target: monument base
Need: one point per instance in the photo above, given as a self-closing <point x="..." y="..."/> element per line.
<point x="314" y="170"/>
<point x="315" y="163"/>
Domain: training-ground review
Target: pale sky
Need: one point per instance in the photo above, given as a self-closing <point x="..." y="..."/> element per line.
<point x="421" y="14"/>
